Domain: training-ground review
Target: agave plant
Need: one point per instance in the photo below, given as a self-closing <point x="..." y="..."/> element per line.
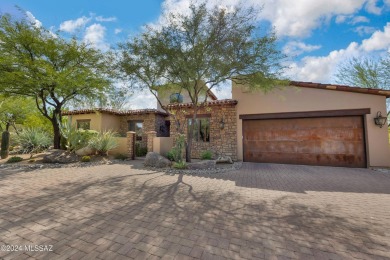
<point x="33" y="140"/>
<point x="103" y="142"/>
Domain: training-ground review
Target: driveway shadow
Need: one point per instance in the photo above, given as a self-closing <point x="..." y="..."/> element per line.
<point x="302" y="178"/>
<point x="134" y="213"/>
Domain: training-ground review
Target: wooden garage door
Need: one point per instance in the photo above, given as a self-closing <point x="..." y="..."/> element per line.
<point x="328" y="141"/>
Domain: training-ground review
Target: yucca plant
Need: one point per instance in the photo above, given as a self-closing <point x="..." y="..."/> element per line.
<point x="33" y="140"/>
<point x="103" y="142"/>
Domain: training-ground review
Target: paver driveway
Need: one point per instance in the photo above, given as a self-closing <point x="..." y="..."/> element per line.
<point x="261" y="211"/>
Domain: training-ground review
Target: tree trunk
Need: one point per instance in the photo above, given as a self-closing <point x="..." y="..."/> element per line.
<point x="57" y="135"/>
<point x="55" y="121"/>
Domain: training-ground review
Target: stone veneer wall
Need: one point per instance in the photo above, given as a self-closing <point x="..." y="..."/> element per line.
<point x="222" y="141"/>
<point x="151" y="122"/>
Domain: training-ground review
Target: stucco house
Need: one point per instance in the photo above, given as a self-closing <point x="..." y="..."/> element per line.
<point x="303" y="123"/>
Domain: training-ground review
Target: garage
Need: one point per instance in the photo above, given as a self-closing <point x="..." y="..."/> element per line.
<point x="326" y="138"/>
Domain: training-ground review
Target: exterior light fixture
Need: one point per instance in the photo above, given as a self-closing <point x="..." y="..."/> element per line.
<point x="222" y="124"/>
<point x="380" y="120"/>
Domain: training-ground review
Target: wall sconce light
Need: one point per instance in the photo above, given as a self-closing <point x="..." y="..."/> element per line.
<point x="380" y="120"/>
<point x="222" y="124"/>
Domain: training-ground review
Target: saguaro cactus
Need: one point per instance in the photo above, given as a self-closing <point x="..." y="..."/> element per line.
<point x="4" y="145"/>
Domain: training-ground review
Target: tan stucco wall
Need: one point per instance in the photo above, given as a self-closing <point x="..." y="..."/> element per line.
<point x="121" y="148"/>
<point x="162" y="145"/>
<point x="95" y="118"/>
<point x="99" y="121"/>
<point x="110" y="122"/>
<point x="298" y="99"/>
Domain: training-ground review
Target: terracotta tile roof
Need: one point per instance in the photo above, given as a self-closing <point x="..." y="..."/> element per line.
<point x="371" y="91"/>
<point x="219" y="102"/>
<point x="114" y="112"/>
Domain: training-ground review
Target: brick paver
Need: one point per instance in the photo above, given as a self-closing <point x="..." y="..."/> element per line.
<point x="263" y="211"/>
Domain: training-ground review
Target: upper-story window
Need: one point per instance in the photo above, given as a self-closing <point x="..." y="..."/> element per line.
<point x="84" y="124"/>
<point x="137" y="127"/>
<point x="176" y="98"/>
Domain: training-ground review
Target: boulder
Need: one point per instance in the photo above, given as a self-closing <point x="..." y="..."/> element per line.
<point x="60" y="156"/>
<point x="86" y="151"/>
<point x="156" y="160"/>
<point x="202" y="165"/>
<point x="224" y="159"/>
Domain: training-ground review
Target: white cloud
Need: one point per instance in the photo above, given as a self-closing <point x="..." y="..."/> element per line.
<point x="321" y="69"/>
<point x="33" y="20"/>
<point x="380" y="40"/>
<point x="364" y="30"/>
<point x="71" y="26"/>
<point x="290" y="18"/>
<point x="371" y="7"/>
<point x="105" y="19"/>
<point x="295" y="48"/>
<point x="359" y="19"/>
<point x="95" y="35"/>
<point x="117" y="31"/>
<point x="341" y="18"/>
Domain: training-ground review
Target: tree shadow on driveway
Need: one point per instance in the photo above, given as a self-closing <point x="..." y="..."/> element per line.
<point x="303" y="178"/>
<point x="149" y="214"/>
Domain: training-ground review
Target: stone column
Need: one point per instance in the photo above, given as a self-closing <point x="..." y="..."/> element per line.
<point x="131" y="144"/>
<point x="151" y="135"/>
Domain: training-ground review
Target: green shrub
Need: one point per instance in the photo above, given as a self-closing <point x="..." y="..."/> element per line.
<point x="140" y="150"/>
<point x="103" y="142"/>
<point x="73" y="139"/>
<point x="121" y="157"/>
<point x="14" y="159"/>
<point x="180" y="165"/>
<point x="206" y="155"/>
<point x="86" y="158"/>
<point x="33" y="140"/>
<point x="171" y="155"/>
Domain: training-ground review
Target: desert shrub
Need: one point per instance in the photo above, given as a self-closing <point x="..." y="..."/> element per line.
<point x="140" y="150"/>
<point x="86" y="158"/>
<point x="206" y="155"/>
<point x="33" y="140"/>
<point x="74" y="139"/>
<point x="103" y="142"/>
<point x="14" y="159"/>
<point x="171" y="155"/>
<point x="121" y="157"/>
<point x="176" y="153"/>
<point x="180" y="165"/>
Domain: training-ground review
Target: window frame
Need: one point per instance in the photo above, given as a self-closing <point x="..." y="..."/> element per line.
<point x="197" y="137"/>
<point x="83" y="121"/>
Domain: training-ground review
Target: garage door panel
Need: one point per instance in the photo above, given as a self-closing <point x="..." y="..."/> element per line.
<point x="312" y="159"/>
<point x="306" y="134"/>
<point x="336" y="141"/>
<point x="318" y="147"/>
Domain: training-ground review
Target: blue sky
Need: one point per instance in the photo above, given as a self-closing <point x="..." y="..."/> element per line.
<point x="317" y="35"/>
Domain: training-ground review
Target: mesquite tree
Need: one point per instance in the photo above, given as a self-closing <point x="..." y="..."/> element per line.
<point x="366" y="72"/>
<point x="203" y="48"/>
<point x="38" y="64"/>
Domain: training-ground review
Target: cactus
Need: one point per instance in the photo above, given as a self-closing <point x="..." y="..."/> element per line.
<point x="4" y="145"/>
